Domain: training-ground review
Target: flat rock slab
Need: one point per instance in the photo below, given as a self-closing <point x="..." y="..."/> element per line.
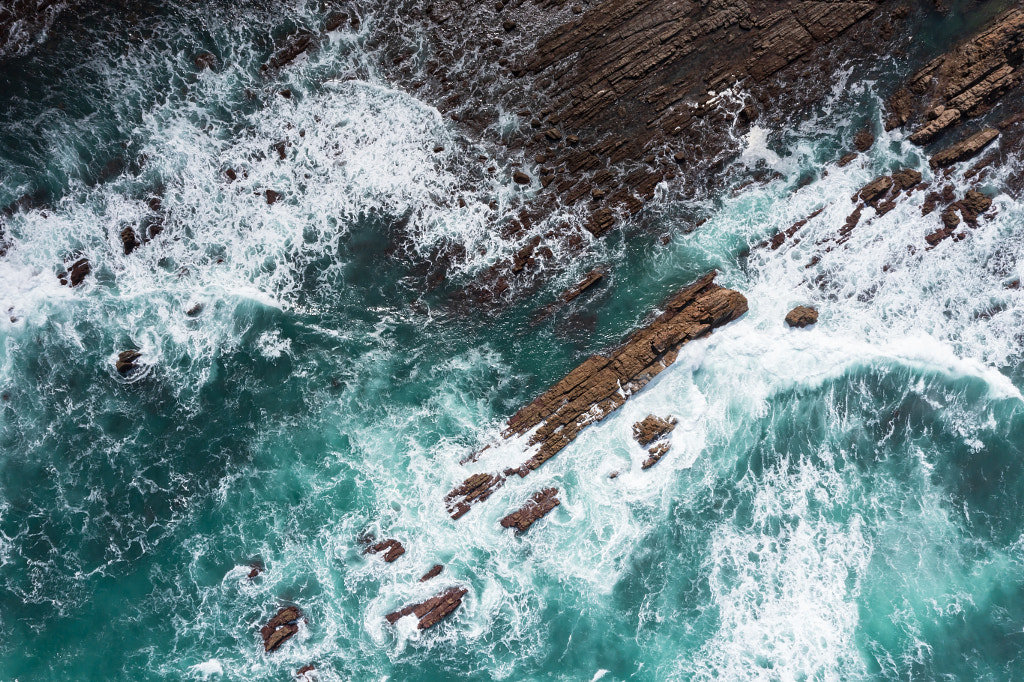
<point x="432" y="611"/>
<point x="537" y="507"/>
<point x="476" y="488"/>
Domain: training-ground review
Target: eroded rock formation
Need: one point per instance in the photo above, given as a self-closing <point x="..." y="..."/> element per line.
<point x="432" y="611"/>
<point x="280" y="628"/>
<point x="651" y="428"/>
<point x="538" y="506"/>
<point x="801" y="316"/>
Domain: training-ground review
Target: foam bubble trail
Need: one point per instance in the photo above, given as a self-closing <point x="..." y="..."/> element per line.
<point x="839" y="503"/>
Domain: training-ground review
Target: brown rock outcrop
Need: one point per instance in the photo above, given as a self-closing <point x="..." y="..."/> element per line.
<point x="801" y="316"/>
<point x="75" y="274"/>
<point x="589" y="280"/>
<point x="432" y="573"/>
<point x="304" y="671"/>
<point x="964" y="150"/>
<point x="601" y="384"/>
<point x="392" y="549"/>
<point x="476" y="488"/>
<point x="655" y="454"/>
<point x="294" y="45"/>
<point x="280" y="628"/>
<point x="536" y="507"/>
<point x="433" y="610"/>
<point x="652" y="428"/>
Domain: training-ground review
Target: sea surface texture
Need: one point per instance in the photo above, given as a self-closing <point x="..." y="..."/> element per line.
<point x="840" y="502"/>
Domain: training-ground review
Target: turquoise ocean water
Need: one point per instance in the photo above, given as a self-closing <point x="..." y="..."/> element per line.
<point x="840" y="503"/>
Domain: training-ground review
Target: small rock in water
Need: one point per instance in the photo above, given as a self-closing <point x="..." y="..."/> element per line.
<point x="508" y="25"/>
<point x="537" y="507"/>
<point x="433" y="610"/>
<point x="255" y="568"/>
<point x="520" y="178"/>
<point x="126" y="361"/>
<point x="432" y="573"/>
<point x="801" y="316"/>
<point x="392" y="549"/>
<point x="129" y="240"/>
<point x="305" y="670"/>
<point x="280" y="628"/>
<point x="652" y="428"/>
<point x="863" y="140"/>
<point x="194" y="310"/>
<point x="272" y="196"/>
<point x="205" y="60"/>
<point x="76" y="273"/>
<point x="656" y="453"/>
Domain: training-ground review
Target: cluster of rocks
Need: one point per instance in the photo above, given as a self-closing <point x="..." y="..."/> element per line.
<point x="392" y="549"/>
<point x="75" y="273"/>
<point x="602" y="384"/>
<point x="538" y="506"/>
<point x="651" y="429"/>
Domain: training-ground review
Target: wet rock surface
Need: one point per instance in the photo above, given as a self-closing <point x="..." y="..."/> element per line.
<point x="538" y="506"/>
<point x="801" y="316"/>
<point x="280" y="628"/>
<point x="390" y="549"/>
<point x="655" y="454"/>
<point x="474" y="489"/>
<point x="602" y="384"/>
<point x="126" y="361"/>
<point x="432" y="611"/>
<point x="76" y="273"/>
<point x="651" y="428"/>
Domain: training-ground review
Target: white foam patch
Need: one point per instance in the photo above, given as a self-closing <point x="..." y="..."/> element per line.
<point x="208" y="669"/>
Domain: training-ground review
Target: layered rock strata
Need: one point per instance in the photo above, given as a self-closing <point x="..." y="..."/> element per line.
<point x="433" y="610"/>
<point x="603" y="383"/>
<point x="280" y="628"/>
<point x="651" y="428"/>
<point x="538" y="506"/>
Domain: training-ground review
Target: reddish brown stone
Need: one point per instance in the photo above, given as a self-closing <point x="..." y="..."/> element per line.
<point x="432" y="611"/>
<point x="536" y="507"/>
<point x="652" y="428"/>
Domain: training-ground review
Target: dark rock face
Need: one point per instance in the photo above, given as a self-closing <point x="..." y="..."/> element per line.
<point x="255" y="568"/>
<point x="863" y="140"/>
<point x="76" y="274"/>
<point x="205" y="60"/>
<point x="801" y="316"/>
<point x="272" y="196"/>
<point x="537" y="507"/>
<point x="432" y="611"/>
<point x="128" y="240"/>
<point x="520" y="178"/>
<point x="280" y="628"/>
<point x="305" y="671"/>
<point x="126" y="361"/>
<point x="294" y="45"/>
<point x="392" y="549"/>
<point x="432" y="573"/>
<point x="652" y="428"/>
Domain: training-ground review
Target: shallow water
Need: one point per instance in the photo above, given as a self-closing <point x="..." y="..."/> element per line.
<point x="841" y="502"/>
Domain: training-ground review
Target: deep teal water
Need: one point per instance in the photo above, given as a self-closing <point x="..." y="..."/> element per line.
<point x="839" y="503"/>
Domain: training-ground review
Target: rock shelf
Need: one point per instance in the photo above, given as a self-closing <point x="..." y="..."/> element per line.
<point x="433" y="610"/>
<point x="537" y="507"/>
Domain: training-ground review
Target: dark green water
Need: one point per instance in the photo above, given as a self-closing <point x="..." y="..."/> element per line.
<point x="839" y="503"/>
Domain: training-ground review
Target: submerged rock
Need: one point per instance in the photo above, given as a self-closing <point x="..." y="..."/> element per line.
<point x="280" y="628"/>
<point x="304" y="671"/>
<point x="537" y="507"/>
<point x="205" y="60"/>
<point x="652" y="428"/>
<point x="801" y="316"/>
<point x="294" y="45"/>
<point x="432" y="611"/>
